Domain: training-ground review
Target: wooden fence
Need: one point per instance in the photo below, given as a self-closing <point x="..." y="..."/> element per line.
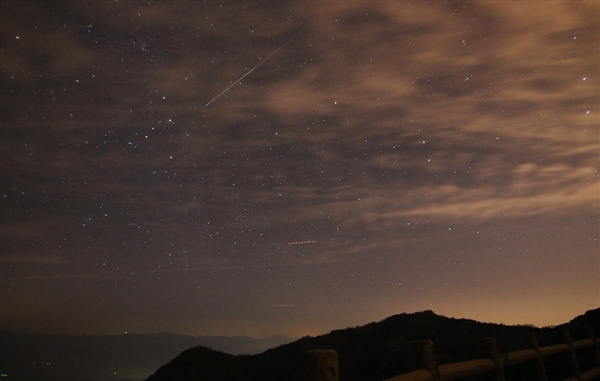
<point x="322" y="365"/>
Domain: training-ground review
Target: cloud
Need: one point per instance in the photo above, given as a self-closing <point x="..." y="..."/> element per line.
<point x="420" y="144"/>
<point x="374" y="115"/>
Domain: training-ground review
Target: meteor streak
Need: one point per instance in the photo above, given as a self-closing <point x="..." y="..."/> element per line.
<point x="245" y="75"/>
<point x="301" y="242"/>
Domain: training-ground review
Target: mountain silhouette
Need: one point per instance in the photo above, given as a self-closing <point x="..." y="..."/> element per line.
<point x="37" y="357"/>
<point x="381" y="350"/>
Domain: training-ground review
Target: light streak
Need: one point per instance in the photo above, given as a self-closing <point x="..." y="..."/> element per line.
<point x="244" y="76"/>
<point x="301" y="242"/>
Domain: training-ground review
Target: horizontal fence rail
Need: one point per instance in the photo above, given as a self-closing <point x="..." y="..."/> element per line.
<point x="323" y="365"/>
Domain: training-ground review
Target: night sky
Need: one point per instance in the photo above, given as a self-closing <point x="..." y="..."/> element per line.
<point x="384" y="157"/>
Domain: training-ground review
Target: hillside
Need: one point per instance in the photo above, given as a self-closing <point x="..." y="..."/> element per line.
<point x="373" y="352"/>
<point x="32" y="357"/>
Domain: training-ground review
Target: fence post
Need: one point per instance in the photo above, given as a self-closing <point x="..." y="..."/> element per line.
<point x="595" y="352"/>
<point x="321" y="365"/>
<point x="425" y="357"/>
<point x="538" y="363"/>
<point x="491" y="351"/>
<point x="573" y="364"/>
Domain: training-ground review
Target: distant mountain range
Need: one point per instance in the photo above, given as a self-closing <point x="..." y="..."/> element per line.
<point x="34" y="357"/>
<point x="378" y="351"/>
<point x="372" y="352"/>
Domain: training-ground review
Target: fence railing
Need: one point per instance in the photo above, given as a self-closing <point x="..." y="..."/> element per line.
<point x="322" y="365"/>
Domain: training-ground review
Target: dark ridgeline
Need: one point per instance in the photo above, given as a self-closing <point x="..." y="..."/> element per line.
<point x="377" y="351"/>
<point x="38" y="357"/>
